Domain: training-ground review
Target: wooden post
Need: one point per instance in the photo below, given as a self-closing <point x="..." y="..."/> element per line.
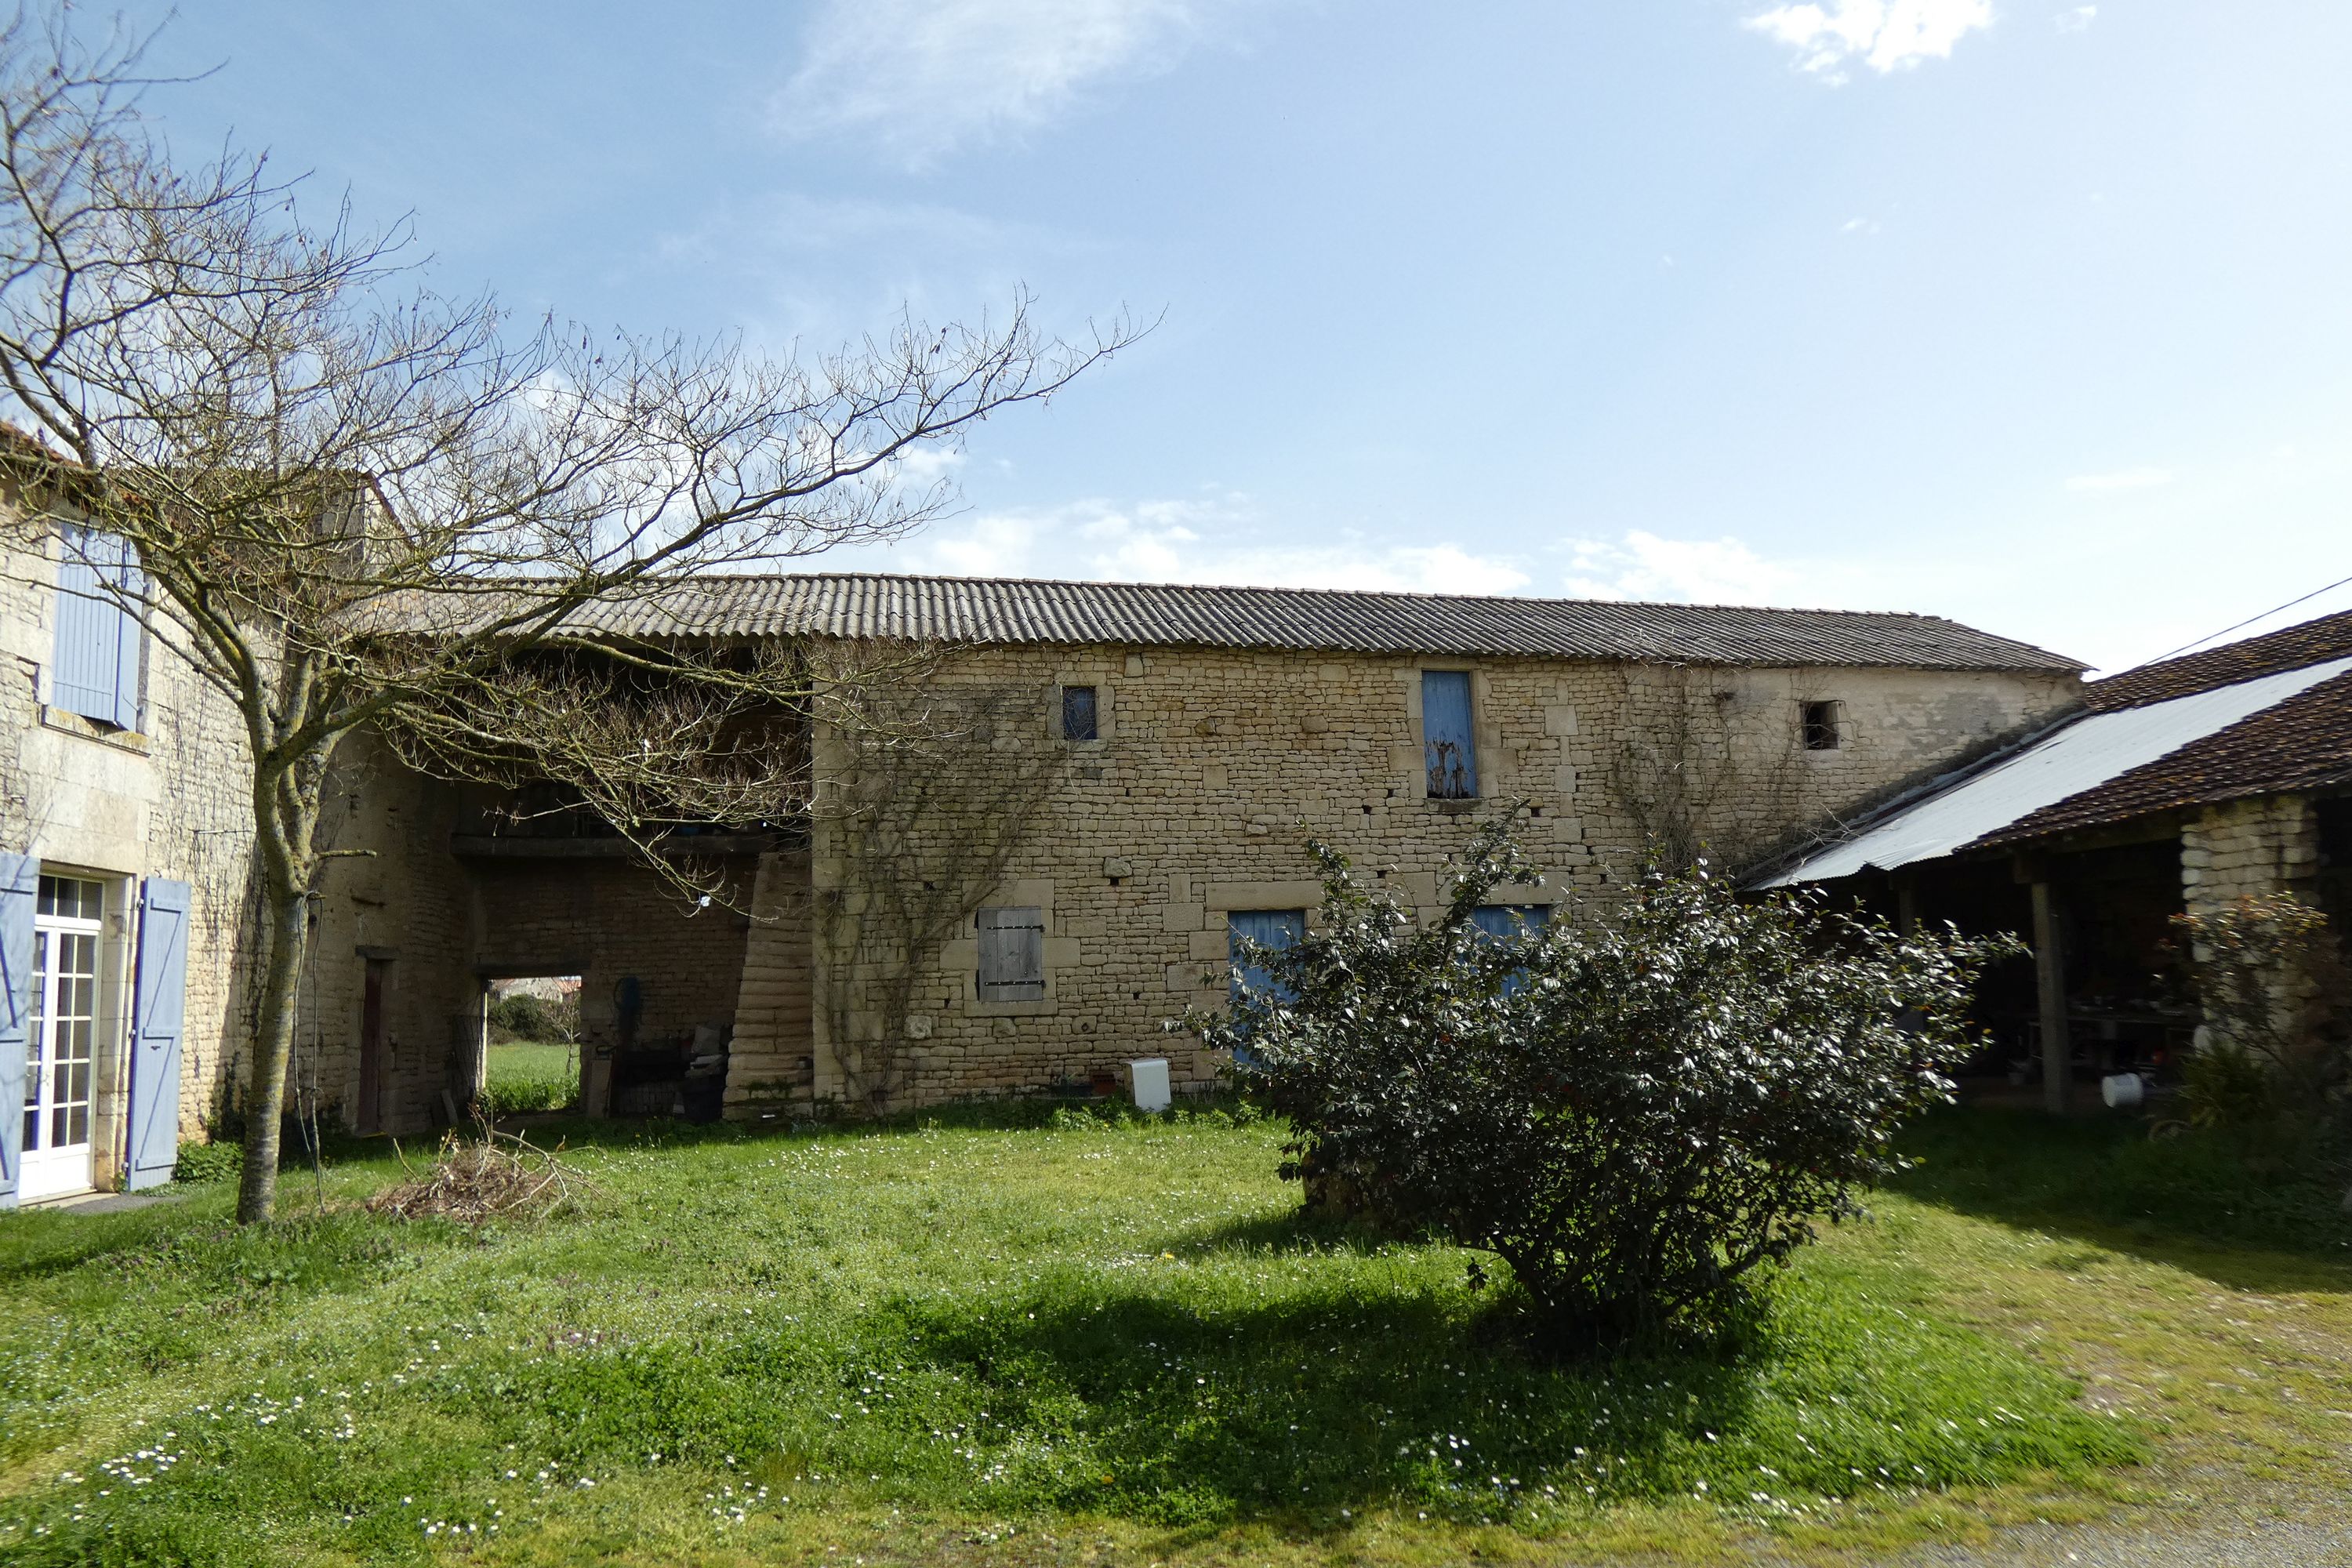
<point x="2050" y="971"/>
<point x="1907" y="906"/>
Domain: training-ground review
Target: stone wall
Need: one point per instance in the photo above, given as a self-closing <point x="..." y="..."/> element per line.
<point x="2256" y="847"/>
<point x="771" y="1067"/>
<point x="1214" y="765"/>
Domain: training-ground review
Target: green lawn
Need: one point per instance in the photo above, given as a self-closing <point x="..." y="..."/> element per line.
<point x="1079" y="1343"/>
<point x="528" y="1075"/>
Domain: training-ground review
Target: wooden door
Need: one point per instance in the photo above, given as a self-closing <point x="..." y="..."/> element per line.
<point x="367" y="1116"/>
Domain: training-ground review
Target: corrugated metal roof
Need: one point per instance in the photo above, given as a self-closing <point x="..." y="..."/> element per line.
<point x="1013" y="611"/>
<point x="1992" y="804"/>
<point x="2300" y="745"/>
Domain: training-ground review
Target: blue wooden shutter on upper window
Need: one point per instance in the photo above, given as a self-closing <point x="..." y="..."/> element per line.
<point x="1451" y="752"/>
<point x="95" y="672"/>
<point x="20" y="882"/>
<point x="159" y="1009"/>
<point x="130" y="635"/>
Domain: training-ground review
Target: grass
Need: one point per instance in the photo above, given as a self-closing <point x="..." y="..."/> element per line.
<point x="965" y="1343"/>
<point x="528" y="1075"/>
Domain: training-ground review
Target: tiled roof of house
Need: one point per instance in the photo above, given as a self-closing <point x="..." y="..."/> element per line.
<point x="2293" y="648"/>
<point x="1012" y="611"/>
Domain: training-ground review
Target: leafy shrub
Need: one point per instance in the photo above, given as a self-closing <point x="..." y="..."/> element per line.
<point x="523" y="1016"/>
<point x="1634" y="1116"/>
<point x="208" y="1161"/>
<point x="2269" y="976"/>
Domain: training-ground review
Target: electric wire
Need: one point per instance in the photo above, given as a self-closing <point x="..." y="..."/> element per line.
<point x="2249" y="621"/>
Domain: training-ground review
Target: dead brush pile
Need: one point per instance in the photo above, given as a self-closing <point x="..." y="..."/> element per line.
<point x="494" y="1175"/>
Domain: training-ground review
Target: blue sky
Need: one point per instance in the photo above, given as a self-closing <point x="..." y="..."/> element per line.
<point x="2036" y="314"/>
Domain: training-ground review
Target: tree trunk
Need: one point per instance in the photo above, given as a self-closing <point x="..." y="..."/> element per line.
<point x="285" y="813"/>
<point x="286" y="914"/>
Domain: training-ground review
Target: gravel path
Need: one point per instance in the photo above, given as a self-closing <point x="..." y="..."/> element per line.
<point x="2309" y="1532"/>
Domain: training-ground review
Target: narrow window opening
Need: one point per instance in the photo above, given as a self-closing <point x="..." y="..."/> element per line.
<point x="1821" y="727"/>
<point x="1080" y="714"/>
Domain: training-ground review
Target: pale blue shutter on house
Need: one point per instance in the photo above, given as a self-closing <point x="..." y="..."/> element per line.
<point x="95" y="672"/>
<point x="1447" y="746"/>
<point x="20" y="882"/>
<point x="159" y="1010"/>
<point x="1276" y="928"/>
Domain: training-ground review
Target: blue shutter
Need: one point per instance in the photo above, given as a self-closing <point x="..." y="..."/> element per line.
<point x="1276" y="929"/>
<point x="130" y="631"/>
<point x="159" y="1009"/>
<point x="82" y="677"/>
<point x="1511" y="923"/>
<point x="1448" y="749"/>
<point x="95" y="672"/>
<point x="20" y="882"/>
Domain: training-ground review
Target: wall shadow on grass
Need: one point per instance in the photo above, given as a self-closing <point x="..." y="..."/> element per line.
<point x="2241" y="1213"/>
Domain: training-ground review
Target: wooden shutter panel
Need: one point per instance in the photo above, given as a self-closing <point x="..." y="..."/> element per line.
<point x="84" y="674"/>
<point x="1011" y="954"/>
<point x="159" y="1010"/>
<point x="20" y="882"/>
<point x="1450" y="751"/>
<point x="129" y="634"/>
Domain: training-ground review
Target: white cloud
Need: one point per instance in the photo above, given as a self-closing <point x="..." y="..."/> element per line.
<point x="1885" y="35"/>
<point x="920" y="78"/>
<point x="1217" y="539"/>
<point x="2077" y="20"/>
<point x="2122" y="480"/>
<point x="1695" y="571"/>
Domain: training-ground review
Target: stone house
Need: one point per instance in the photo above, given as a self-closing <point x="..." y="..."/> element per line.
<point x="2175" y="788"/>
<point x="1153" y="759"/>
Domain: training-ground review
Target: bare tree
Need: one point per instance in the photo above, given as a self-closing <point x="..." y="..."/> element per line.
<point x="353" y="502"/>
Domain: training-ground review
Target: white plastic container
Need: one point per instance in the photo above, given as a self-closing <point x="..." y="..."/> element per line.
<point x="2122" y="1090"/>
<point x="1149" y="1080"/>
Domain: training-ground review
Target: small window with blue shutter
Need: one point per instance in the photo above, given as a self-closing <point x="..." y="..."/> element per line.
<point x="1275" y="929"/>
<point x="1511" y="923"/>
<point x="101" y="640"/>
<point x="1447" y="745"/>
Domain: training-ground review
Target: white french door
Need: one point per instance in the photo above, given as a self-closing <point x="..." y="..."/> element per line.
<point x="61" y="1048"/>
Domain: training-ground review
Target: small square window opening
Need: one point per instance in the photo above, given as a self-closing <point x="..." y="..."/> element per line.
<point x="1823" y="732"/>
<point x="1080" y="714"/>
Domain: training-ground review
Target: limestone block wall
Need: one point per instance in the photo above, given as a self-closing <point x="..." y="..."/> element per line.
<point x="397" y="897"/>
<point x="1216" y="765"/>
<point x="771" y="1069"/>
<point x="2269" y="844"/>
<point x="2261" y="846"/>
